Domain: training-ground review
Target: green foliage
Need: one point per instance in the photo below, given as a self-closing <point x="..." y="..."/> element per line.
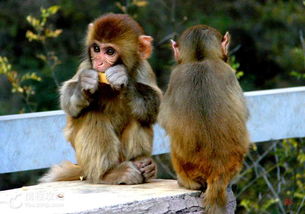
<point x="23" y="84"/>
<point x="235" y="65"/>
<point x="274" y="181"/>
<point x="298" y="54"/>
<point x="18" y="81"/>
<point x="43" y="32"/>
<point x="130" y="6"/>
<point x="266" y="37"/>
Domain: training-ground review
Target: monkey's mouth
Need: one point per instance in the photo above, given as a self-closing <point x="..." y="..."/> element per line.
<point x="100" y="67"/>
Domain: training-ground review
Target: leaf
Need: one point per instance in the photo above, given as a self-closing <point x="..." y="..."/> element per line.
<point x="268" y="203"/>
<point x="28" y="90"/>
<point x="12" y="76"/>
<point x="121" y="7"/>
<point x="42" y="57"/>
<point x="52" y="34"/>
<point x="254" y="147"/>
<point x="299" y="195"/>
<point x="239" y="74"/>
<point x="53" y="9"/>
<point x="17" y="88"/>
<point x="301" y="158"/>
<point x="30" y="76"/>
<point x="43" y="12"/>
<point x="140" y="3"/>
<point x="5" y="67"/>
<point x="246" y="204"/>
<point x="32" y="36"/>
<point x="33" y="21"/>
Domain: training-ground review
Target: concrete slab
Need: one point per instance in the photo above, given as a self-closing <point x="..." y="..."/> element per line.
<point x="158" y="197"/>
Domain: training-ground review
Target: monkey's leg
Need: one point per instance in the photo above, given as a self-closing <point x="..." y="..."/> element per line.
<point x="137" y="147"/>
<point x="97" y="146"/>
<point x="182" y="177"/>
<point x="97" y="149"/>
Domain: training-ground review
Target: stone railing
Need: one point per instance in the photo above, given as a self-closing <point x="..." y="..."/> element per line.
<point x="35" y="140"/>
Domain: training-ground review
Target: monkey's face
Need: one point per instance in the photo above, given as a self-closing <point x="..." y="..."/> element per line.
<point x="103" y="55"/>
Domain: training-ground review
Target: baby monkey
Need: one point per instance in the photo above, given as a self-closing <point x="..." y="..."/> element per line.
<point x="111" y="104"/>
<point x="204" y="113"/>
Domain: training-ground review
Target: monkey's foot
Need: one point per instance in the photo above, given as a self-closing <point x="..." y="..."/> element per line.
<point x="188" y="183"/>
<point x="147" y="167"/>
<point x="125" y="173"/>
<point x="131" y="176"/>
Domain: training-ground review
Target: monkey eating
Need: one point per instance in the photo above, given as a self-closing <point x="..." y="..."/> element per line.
<point x="111" y="104"/>
<point x="204" y="113"/>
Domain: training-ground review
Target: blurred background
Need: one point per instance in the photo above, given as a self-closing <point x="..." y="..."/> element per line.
<point x="41" y="44"/>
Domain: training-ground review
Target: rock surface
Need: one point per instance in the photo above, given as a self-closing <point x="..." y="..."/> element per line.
<point x="157" y="197"/>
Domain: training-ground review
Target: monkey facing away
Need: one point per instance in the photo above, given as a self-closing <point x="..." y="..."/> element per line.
<point x="204" y="113"/>
<point x="109" y="122"/>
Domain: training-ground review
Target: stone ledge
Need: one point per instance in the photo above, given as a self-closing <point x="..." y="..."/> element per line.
<point x="158" y="197"/>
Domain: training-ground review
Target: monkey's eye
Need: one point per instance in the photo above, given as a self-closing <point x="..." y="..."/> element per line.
<point x="110" y="51"/>
<point x="96" y="48"/>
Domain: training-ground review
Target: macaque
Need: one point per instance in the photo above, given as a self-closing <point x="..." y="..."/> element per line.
<point x="204" y="113"/>
<point x="111" y="104"/>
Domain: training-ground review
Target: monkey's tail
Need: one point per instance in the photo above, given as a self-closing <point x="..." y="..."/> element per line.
<point x="66" y="171"/>
<point x="215" y="196"/>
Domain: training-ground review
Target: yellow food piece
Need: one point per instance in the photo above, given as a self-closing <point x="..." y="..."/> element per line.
<point x="102" y="78"/>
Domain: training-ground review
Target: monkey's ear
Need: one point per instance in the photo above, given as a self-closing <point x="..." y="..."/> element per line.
<point x="176" y="50"/>
<point x="145" y="46"/>
<point x="89" y="33"/>
<point x="225" y="43"/>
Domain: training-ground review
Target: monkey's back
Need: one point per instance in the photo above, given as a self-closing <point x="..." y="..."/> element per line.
<point x="205" y="115"/>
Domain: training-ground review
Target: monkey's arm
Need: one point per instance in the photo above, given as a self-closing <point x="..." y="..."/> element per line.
<point x="117" y="76"/>
<point x="144" y="95"/>
<point x="75" y="94"/>
<point x="144" y="102"/>
<point x="73" y="98"/>
<point x="142" y="91"/>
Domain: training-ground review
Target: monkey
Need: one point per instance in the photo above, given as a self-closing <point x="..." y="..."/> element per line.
<point x="109" y="123"/>
<point x="204" y="114"/>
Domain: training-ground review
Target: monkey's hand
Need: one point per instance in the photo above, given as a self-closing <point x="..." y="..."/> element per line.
<point x="88" y="80"/>
<point x="117" y="76"/>
<point x="147" y="167"/>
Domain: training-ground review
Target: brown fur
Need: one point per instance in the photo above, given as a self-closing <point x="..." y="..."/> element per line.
<point x="66" y="171"/>
<point x="204" y="113"/>
<point x="119" y="29"/>
<point x="111" y="130"/>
